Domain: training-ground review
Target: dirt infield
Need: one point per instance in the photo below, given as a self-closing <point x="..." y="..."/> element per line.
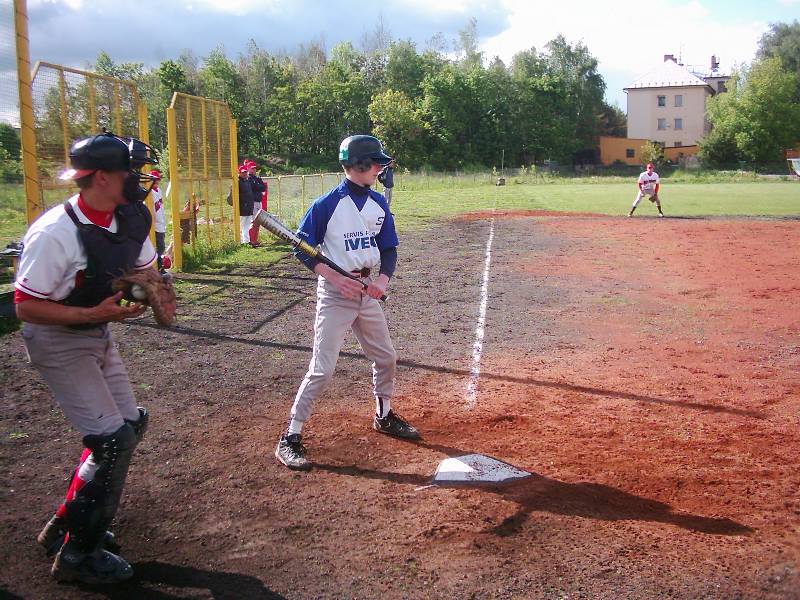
<point x="647" y="371"/>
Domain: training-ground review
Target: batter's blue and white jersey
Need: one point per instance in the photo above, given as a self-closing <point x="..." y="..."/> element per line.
<point x="350" y="228"/>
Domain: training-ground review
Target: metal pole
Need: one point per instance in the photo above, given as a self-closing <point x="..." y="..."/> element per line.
<point x="219" y="165"/>
<point x="62" y="89"/>
<point x="235" y="181"/>
<point x="189" y="160"/>
<point x="174" y="182"/>
<point x="92" y="105"/>
<point x="30" y="169"/>
<point x="117" y="111"/>
<point x="205" y="171"/>
<point x="280" y="198"/>
<point x="303" y="194"/>
<point x="144" y="135"/>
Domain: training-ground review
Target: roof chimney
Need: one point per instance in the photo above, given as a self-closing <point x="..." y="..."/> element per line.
<point x="714" y="62"/>
<point x="669" y="57"/>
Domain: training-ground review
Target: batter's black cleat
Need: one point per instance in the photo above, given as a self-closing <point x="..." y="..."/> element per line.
<point x="98" y="567"/>
<point x="292" y="453"/>
<point x="394" y="425"/>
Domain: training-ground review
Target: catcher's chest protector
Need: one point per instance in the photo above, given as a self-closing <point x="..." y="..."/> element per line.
<point x="108" y="255"/>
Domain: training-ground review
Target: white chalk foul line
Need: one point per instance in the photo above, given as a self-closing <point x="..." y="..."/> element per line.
<point x="480" y="327"/>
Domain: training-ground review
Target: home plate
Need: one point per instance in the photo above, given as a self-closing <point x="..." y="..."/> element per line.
<point x="476" y="468"/>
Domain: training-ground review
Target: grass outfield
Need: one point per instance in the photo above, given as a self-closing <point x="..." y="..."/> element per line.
<point x="415" y="208"/>
<point x="417" y="200"/>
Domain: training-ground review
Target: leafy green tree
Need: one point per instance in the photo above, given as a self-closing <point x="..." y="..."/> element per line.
<point x="758" y="115"/>
<point x="9" y="141"/>
<point x="612" y="121"/>
<point x="782" y="41"/>
<point x="652" y="153"/>
<point x="398" y="123"/>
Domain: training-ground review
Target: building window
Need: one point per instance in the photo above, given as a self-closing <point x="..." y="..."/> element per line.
<point x="629" y="153"/>
<point x="721" y="86"/>
<point x="678" y="99"/>
<point x="662" y="100"/>
<point x="678" y="144"/>
<point x="678" y="124"/>
<point x="662" y="124"/>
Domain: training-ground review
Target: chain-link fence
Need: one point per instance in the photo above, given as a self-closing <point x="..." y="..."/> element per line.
<point x="69" y="104"/>
<point x="291" y="195"/>
<point x="204" y="197"/>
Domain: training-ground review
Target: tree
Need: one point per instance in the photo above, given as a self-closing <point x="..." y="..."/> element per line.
<point x="612" y="121"/>
<point x="399" y="124"/>
<point x="652" y="153"/>
<point x="759" y="115"/>
<point x="578" y="69"/>
<point x="9" y="141"/>
<point x="782" y="41"/>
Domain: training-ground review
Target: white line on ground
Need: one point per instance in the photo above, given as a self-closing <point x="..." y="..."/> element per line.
<point x="480" y="327"/>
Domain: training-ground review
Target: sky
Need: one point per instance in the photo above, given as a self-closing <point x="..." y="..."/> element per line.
<point x="628" y="37"/>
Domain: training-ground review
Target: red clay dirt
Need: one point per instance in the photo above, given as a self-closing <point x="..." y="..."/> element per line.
<point x="645" y="370"/>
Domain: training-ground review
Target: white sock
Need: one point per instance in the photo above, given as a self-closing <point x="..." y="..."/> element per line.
<point x="295" y="426"/>
<point x="382" y="406"/>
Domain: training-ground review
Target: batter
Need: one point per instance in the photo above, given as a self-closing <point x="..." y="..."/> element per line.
<point x="353" y="227"/>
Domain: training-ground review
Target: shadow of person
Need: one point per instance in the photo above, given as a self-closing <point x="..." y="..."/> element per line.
<point x="222" y="585"/>
<point x="543" y="494"/>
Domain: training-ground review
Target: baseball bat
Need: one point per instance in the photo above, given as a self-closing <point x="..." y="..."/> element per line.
<point x="272" y="224"/>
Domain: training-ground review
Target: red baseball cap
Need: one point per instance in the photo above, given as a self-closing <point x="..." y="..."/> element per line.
<point x="155" y="173"/>
<point x="249" y="163"/>
<point x="243" y="169"/>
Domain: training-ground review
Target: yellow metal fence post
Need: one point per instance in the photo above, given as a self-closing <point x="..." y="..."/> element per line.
<point x="90" y="92"/>
<point x="205" y="172"/>
<point x="303" y="194"/>
<point x="174" y="182"/>
<point x="235" y="181"/>
<point x="144" y="135"/>
<point x="280" y="199"/>
<point x="30" y="169"/>
<point x="62" y="89"/>
<point x="189" y="140"/>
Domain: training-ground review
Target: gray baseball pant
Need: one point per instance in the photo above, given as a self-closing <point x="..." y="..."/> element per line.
<point x="335" y="315"/>
<point x="84" y="371"/>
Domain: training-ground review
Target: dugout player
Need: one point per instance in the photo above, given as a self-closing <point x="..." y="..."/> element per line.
<point x="63" y="295"/>
<point x="259" y="187"/>
<point x="355" y="229"/>
<point x="648" y="183"/>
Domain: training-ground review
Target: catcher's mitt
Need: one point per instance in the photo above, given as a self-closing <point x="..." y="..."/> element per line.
<point x="149" y="287"/>
<point x="654" y="198"/>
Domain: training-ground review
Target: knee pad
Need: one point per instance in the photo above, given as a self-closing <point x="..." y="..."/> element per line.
<point x="140" y="425"/>
<point x="89" y="514"/>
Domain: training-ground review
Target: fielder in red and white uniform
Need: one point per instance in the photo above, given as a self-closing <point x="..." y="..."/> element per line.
<point x="649" y="185"/>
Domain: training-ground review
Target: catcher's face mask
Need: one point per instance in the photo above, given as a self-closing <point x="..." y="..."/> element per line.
<point x="132" y="189"/>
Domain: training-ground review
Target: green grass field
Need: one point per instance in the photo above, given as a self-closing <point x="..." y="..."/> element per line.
<point x="418" y="199"/>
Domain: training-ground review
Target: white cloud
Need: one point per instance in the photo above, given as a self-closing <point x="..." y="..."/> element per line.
<point x="630" y="36"/>
<point x="789" y="2"/>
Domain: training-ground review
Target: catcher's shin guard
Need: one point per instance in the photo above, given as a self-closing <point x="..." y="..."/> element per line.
<point x="90" y="513"/>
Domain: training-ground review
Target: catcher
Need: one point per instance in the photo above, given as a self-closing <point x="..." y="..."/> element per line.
<point x="65" y="295"/>
<point x="648" y="186"/>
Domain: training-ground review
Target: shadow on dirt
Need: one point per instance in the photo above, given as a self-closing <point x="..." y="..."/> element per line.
<point x="543" y="494"/>
<point x="221" y="585"/>
<point x="461" y="372"/>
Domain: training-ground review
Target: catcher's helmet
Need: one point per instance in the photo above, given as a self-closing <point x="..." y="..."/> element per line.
<point x="141" y="153"/>
<point x="359" y="148"/>
<point x="103" y="152"/>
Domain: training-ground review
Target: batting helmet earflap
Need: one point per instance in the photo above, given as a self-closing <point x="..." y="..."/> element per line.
<point x="361" y="147"/>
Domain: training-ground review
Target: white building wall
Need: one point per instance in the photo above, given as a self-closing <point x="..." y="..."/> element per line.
<point x="644" y="112"/>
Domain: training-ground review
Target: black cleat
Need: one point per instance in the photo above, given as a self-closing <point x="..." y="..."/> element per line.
<point x="394" y="425"/>
<point x="292" y="453"/>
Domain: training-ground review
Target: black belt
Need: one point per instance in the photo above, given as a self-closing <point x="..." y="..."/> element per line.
<point x="362" y="272"/>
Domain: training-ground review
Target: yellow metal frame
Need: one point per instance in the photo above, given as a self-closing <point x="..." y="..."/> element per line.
<point x="30" y="169"/>
<point x="183" y="102"/>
